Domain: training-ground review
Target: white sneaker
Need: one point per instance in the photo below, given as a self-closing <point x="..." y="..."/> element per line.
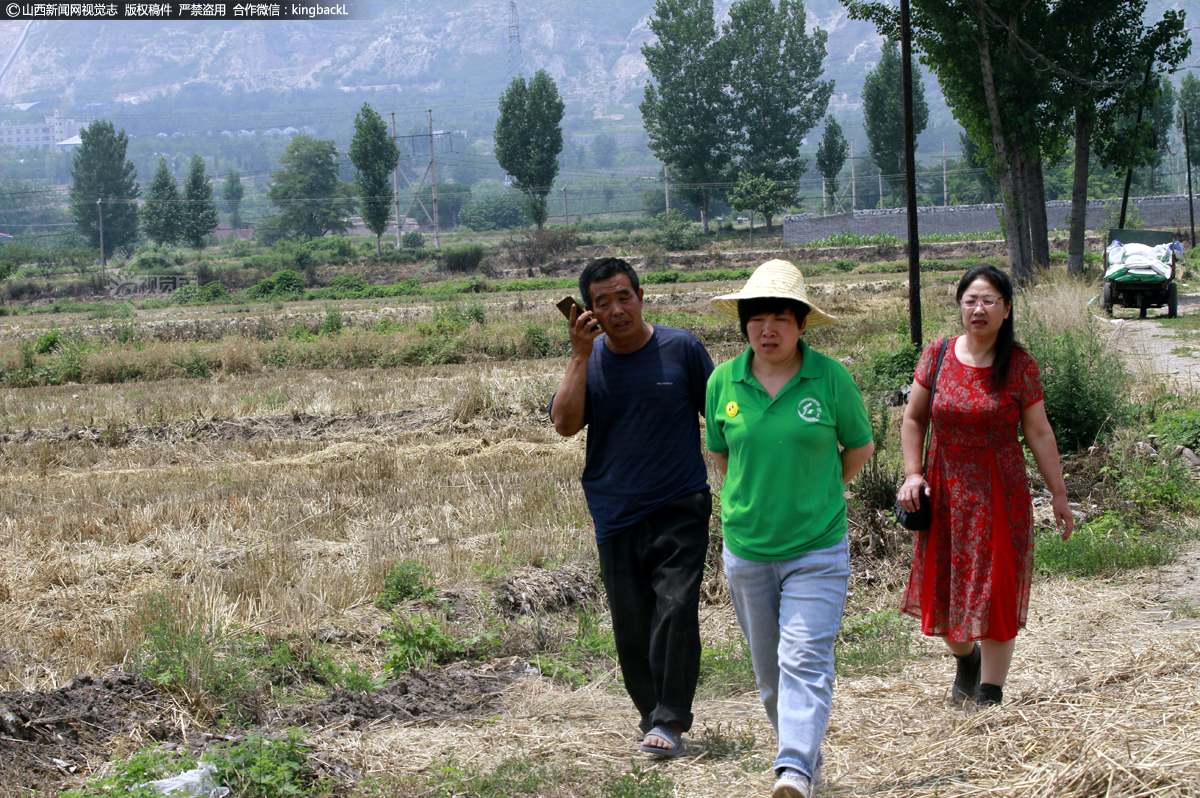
<point x="793" y="784"/>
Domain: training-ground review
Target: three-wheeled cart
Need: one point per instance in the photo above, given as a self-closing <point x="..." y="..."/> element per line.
<point x="1139" y="271"/>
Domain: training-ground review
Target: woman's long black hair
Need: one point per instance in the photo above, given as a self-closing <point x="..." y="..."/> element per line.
<point x="1006" y="340"/>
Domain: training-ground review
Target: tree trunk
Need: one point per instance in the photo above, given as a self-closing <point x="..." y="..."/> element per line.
<point x="1035" y="209"/>
<point x="1085" y="117"/>
<point x="768" y="216"/>
<point x="704" y="213"/>
<point x="1010" y="173"/>
<point x="378" y="246"/>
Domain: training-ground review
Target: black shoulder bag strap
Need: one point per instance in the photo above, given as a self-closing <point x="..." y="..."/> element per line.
<point x="932" y="389"/>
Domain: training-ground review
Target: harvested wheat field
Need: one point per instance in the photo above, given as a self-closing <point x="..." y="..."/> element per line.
<point x="397" y="561"/>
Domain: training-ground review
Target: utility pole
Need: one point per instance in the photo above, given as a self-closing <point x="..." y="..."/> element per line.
<point x="396" y="186"/>
<point x="853" y="184"/>
<point x="910" y="182"/>
<point x="1187" y="144"/>
<point x="667" y="185"/>
<point x="566" y="213"/>
<point x="437" y="244"/>
<point x="945" y="191"/>
<point x="100" y="211"/>
<point x="881" y="190"/>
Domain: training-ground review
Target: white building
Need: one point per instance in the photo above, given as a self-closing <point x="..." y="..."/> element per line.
<point x="48" y="133"/>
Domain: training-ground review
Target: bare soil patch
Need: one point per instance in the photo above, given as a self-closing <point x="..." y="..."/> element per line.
<point x="46" y="736"/>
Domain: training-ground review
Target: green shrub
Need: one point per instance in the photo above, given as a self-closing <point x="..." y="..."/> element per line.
<point x="49" y="341"/>
<point x="405" y="582"/>
<point x="299" y="332"/>
<point x="889" y="369"/>
<point x="417" y="641"/>
<point x="332" y="323"/>
<point x="259" y="767"/>
<point x="349" y="283"/>
<point x="1176" y="422"/>
<point x="502" y="212"/>
<point x="675" y="230"/>
<point x="464" y="259"/>
<point x="214" y="291"/>
<point x="255" y="767"/>
<point x="412" y="240"/>
<point x="285" y="284"/>
<point x="185" y="295"/>
<point x="659" y="278"/>
<point x="1083" y="381"/>
<point x="854" y="240"/>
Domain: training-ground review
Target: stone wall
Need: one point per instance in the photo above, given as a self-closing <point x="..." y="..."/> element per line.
<point x="1164" y="212"/>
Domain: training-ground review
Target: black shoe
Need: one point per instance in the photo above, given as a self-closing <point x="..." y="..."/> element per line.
<point x="990" y="695"/>
<point x="966" y="679"/>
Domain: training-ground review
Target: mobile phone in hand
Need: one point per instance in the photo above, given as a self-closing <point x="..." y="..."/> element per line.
<point x="566" y="303"/>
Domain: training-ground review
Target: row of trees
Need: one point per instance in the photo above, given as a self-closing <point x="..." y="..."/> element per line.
<point x="732" y="100"/>
<point x="309" y="198"/>
<point x="1028" y="79"/>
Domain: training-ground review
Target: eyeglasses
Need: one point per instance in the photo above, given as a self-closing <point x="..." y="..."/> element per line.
<point x="969" y="302"/>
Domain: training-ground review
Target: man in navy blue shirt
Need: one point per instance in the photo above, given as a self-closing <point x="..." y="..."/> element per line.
<point x="639" y="390"/>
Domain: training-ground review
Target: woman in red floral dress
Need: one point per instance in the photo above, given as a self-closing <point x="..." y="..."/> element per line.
<point x="972" y="567"/>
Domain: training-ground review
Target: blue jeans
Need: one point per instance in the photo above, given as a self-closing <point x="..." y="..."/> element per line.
<point x="790" y="612"/>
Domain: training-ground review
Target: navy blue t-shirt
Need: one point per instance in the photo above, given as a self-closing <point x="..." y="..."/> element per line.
<point x="642" y="414"/>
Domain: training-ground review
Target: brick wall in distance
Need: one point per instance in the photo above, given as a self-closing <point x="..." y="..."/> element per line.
<point x="1163" y="213"/>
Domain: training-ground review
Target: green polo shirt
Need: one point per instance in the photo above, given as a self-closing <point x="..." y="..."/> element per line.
<point x="784" y="494"/>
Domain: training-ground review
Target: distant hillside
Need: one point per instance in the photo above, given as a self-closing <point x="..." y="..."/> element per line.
<point x="413" y="55"/>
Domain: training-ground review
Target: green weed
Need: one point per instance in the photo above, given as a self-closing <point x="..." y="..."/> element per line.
<point x="1084" y="383"/>
<point x="726" y="744"/>
<point x="417" y="641"/>
<point x="405" y="582"/>
<point x="1103" y="546"/>
<point x="873" y="644"/>
<point x="726" y="670"/>
<point x="513" y="777"/>
<point x="332" y="323"/>
<point x="637" y="783"/>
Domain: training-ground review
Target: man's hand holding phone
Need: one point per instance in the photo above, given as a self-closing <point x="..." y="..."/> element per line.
<point x="583" y="325"/>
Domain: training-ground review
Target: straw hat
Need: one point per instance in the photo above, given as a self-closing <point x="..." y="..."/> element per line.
<point x="775" y="278"/>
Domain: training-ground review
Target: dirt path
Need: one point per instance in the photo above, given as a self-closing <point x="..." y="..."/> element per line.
<point x="1153" y="346"/>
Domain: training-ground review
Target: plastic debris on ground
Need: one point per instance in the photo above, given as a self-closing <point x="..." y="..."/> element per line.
<point x="200" y="782"/>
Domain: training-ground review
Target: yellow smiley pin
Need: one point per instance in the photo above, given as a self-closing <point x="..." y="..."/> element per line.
<point x="731" y="409"/>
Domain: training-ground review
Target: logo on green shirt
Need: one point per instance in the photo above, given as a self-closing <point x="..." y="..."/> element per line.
<point x="810" y="410"/>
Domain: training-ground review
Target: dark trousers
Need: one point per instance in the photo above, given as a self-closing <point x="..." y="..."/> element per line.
<point x="652" y="572"/>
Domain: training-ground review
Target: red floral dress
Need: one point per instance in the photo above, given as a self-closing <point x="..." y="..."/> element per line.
<point x="972" y="568"/>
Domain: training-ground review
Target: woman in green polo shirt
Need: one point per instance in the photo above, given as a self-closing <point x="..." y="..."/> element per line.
<point x="787" y="427"/>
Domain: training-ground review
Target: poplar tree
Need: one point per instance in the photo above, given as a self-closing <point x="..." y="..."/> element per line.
<point x="775" y="91"/>
<point x="99" y="171"/>
<point x="686" y="109"/>
<point x="161" y="212"/>
<point x="375" y="156"/>
<point x="883" y="114"/>
<point x="1189" y="104"/>
<point x="232" y="193"/>
<point x="199" y="217"/>
<point x="528" y="138"/>
<point x="831" y="154"/>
